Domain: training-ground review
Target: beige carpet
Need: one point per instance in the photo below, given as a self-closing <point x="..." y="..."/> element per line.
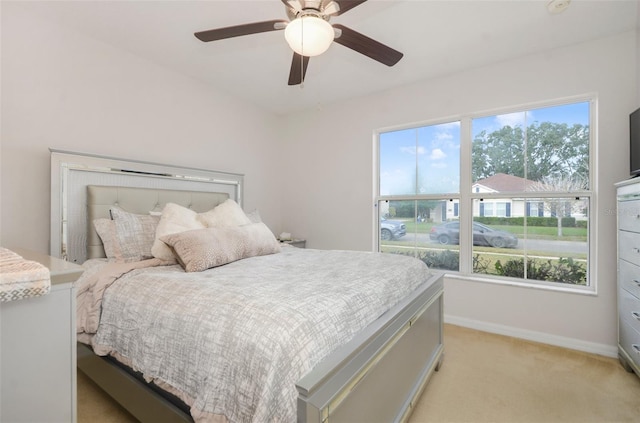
<point x="488" y="378"/>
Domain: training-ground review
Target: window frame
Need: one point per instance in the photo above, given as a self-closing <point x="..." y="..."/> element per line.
<point x="466" y="196"/>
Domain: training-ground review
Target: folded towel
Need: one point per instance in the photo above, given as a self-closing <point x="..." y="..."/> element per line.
<point x="20" y="278"/>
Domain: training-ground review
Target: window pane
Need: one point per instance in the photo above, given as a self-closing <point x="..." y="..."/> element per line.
<point x="418" y="218"/>
<point x="544" y="149"/>
<point x="498" y="149"/>
<point x="398" y="162"/>
<point x="439" y="161"/>
<point x="545" y="239"/>
<point x="423" y="160"/>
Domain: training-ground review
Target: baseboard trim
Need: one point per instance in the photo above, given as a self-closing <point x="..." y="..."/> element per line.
<point x="545" y="338"/>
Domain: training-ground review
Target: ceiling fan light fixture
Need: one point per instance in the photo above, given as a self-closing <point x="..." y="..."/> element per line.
<point x="309" y="35"/>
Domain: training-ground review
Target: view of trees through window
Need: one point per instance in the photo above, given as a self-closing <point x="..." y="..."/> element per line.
<point x="523" y="210"/>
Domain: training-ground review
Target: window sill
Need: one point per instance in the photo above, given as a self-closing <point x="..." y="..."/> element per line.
<point x="545" y="286"/>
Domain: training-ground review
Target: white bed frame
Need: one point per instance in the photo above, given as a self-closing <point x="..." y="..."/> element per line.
<point x="376" y="377"/>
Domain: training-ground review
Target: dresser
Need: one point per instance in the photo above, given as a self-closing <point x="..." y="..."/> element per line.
<point x="38" y="349"/>
<point x="628" y="212"/>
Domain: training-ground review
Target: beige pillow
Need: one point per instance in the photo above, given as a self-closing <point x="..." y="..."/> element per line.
<point x="135" y="233"/>
<point x="106" y="229"/>
<point x="228" y="213"/>
<point x="201" y="249"/>
<point x="128" y="237"/>
<point x="176" y="219"/>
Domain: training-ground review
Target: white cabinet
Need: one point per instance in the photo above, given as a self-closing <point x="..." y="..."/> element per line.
<point x="628" y="209"/>
<point x="38" y="350"/>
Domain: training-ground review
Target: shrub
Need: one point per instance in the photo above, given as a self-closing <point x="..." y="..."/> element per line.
<point x="581" y="223"/>
<point x="445" y="259"/>
<point x="450" y="260"/>
<point x="564" y="270"/>
<point x="480" y="265"/>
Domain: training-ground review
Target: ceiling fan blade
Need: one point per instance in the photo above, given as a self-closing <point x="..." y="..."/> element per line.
<point x="346" y="5"/>
<point x="367" y="46"/>
<point x="298" y="69"/>
<point x="295" y="5"/>
<point x="239" y="30"/>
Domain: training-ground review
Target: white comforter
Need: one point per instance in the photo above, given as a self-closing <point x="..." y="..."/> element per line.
<point x="232" y="341"/>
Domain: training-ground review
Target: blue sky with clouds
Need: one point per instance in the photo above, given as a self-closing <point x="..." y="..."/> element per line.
<point x="426" y="160"/>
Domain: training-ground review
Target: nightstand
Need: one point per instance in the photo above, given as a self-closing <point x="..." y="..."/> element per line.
<point x="300" y="243"/>
<point x="38" y="349"/>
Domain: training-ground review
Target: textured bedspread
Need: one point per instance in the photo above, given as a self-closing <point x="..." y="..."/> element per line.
<point x="232" y="341"/>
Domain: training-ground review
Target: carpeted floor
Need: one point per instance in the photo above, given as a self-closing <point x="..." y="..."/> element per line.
<point x="488" y="378"/>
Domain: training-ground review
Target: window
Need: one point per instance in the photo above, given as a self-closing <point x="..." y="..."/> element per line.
<point x="518" y="210"/>
<point x="495" y="208"/>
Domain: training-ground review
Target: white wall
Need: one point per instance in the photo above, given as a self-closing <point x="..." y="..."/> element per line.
<point x="63" y="90"/>
<point x="330" y="199"/>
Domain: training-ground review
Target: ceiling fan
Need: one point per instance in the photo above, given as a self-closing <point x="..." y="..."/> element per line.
<point x="309" y="33"/>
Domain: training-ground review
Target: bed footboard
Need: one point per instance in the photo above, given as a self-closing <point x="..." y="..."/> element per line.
<point x="378" y="375"/>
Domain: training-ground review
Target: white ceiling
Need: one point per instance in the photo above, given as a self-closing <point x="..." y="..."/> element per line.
<point x="436" y="37"/>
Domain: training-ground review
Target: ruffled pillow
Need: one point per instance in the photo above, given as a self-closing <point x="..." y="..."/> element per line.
<point x="202" y="249"/>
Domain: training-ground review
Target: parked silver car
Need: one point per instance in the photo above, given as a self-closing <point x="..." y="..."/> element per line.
<point x="449" y="233"/>
<point x="391" y="229"/>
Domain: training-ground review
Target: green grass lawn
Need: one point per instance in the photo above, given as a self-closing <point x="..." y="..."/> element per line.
<point x="532" y="232"/>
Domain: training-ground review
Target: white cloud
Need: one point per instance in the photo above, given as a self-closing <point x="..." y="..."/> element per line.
<point x="444" y="136"/>
<point x="437" y="154"/>
<point x="412" y="150"/>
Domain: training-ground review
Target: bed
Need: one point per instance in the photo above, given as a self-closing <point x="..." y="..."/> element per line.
<point x="323" y="369"/>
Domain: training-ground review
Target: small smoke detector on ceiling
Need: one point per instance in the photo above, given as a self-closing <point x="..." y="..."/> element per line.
<point x="557" y="6"/>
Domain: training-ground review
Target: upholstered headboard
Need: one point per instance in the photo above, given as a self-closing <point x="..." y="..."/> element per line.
<point x="140" y="201"/>
<point x="137" y="187"/>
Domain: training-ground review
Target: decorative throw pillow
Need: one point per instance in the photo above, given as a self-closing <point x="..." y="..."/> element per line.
<point x="135" y="233"/>
<point x="175" y="218"/>
<point x="201" y="249"/>
<point x="106" y="229"/>
<point x="228" y="213"/>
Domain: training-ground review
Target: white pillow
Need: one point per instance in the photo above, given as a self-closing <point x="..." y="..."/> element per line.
<point x="229" y="213"/>
<point x="254" y="216"/>
<point x="174" y="219"/>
